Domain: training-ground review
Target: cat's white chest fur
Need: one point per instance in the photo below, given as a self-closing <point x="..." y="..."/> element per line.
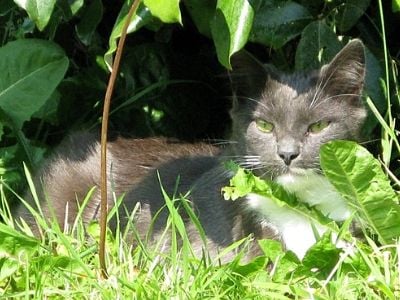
<point x="296" y="230"/>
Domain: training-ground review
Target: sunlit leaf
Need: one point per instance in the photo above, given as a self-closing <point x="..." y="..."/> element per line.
<point x="395" y="5"/>
<point x="166" y="10"/>
<point x="231" y="28"/>
<point x="320" y="258"/>
<point x="141" y="18"/>
<point x="271" y="248"/>
<point x="245" y="182"/>
<point x="358" y="177"/>
<point x="76" y="5"/>
<point x="38" y="11"/>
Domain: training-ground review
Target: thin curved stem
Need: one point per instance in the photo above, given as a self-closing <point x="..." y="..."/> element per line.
<point x="104" y="127"/>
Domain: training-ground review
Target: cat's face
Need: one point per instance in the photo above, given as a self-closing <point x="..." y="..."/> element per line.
<point x="280" y="121"/>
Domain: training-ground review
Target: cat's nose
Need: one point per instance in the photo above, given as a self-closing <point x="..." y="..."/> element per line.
<point x="288" y="149"/>
<point x="287" y="157"/>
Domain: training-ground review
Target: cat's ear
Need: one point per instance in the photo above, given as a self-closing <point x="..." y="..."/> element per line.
<point x="248" y="76"/>
<point x="345" y="74"/>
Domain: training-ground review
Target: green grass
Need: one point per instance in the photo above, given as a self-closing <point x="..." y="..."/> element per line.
<point x="65" y="266"/>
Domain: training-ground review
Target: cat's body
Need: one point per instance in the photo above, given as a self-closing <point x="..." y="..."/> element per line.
<point x="279" y="124"/>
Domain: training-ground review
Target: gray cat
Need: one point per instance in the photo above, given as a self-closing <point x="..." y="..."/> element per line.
<point x="279" y="123"/>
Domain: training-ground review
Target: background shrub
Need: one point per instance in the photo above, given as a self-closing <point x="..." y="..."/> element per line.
<point x="172" y="81"/>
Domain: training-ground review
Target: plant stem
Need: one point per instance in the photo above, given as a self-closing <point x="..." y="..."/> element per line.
<point x="104" y="127"/>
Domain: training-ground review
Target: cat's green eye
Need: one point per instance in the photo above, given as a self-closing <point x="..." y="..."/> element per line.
<point x="264" y="126"/>
<point x="318" y="126"/>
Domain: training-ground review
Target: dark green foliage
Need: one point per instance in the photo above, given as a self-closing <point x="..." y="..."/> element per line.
<point x="173" y="80"/>
<point x="54" y="61"/>
<point x="277" y="22"/>
<point x="317" y="39"/>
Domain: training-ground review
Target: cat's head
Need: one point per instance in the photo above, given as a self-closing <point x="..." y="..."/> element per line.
<point x="280" y="121"/>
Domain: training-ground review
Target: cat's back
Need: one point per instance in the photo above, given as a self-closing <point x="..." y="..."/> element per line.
<point x="143" y="155"/>
<point x="68" y="175"/>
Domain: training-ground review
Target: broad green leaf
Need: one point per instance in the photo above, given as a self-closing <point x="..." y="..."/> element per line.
<point x="320" y="258"/>
<point x="245" y="182"/>
<point x="349" y="12"/>
<point x="271" y="248"/>
<point x="278" y="21"/>
<point x="38" y="11"/>
<point x="358" y="177"/>
<point x="31" y="70"/>
<point x="285" y="266"/>
<point x="395" y="5"/>
<point x="317" y="46"/>
<point x="75" y="6"/>
<point x="49" y="111"/>
<point x="231" y="27"/>
<point x="202" y="13"/>
<point x="142" y="17"/>
<point x="166" y="10"/>
<point x="240" y="185"/>
<point x="313" y="6"/>
<point x="257" y="264"/>
<point x="91" y="17"/>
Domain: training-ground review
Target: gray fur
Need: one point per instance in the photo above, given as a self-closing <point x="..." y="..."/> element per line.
<point x="292" y="103"/>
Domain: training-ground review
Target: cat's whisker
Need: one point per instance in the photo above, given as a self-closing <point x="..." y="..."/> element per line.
<point x="261" y="168"/>
<point x="369" y="142"/>
<point x="242" y="156"/>
<point x="222" y="142"/>
<point x="323" y="100"/>
<point x="250" y="166"/>
<point x="319" y="89"/>
<point x="269" y="173"/>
